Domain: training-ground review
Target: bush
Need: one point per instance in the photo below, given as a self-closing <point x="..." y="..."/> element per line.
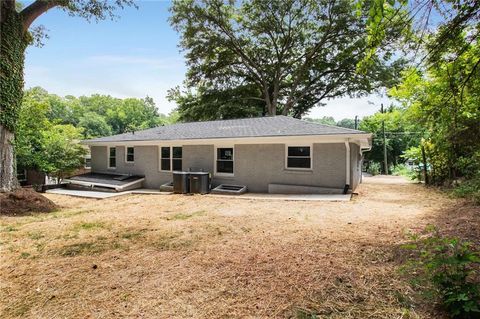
<point x="469" y="189"/>
<point x="446" y="269"/>
<point x="404" y="170"/>
<point x="374" y="168"/>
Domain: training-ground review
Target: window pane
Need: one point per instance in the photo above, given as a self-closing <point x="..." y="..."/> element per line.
<point x="298" y="151"/>
<point x="165" y="152"/>
<point x="130" y="157"/>
<point x="177" y="152"/>
<point x="113" y="151"/>
<point x="165" y="164"/>
<point x="130" y="150"/>
<point x="112" y="162"/>
<point x="298" y="162"/>
<point x="225" y="166"/>
<point x="177" y="164"/>
<point x="88" y="163"/>
<point x="225" y="153"/>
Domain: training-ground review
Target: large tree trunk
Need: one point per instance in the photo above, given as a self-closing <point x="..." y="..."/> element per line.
<point x="8" y="178"/>
<point x="13" y="42"/>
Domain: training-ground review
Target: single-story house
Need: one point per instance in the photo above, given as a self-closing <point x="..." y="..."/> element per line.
<point x="267" y="154"/>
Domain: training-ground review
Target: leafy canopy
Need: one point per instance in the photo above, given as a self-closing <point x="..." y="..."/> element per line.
<point x="289" y="55"/>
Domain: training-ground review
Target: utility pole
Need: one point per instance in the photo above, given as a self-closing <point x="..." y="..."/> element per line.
<point x="356" y="122"/>
<point x="384" y="144"/>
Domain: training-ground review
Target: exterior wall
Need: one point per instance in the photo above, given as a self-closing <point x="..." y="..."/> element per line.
<point x="255" y="165"/>
<point x="355" y="166"/>
<point x="146" y="163"/>
<point x="198" y="157"/>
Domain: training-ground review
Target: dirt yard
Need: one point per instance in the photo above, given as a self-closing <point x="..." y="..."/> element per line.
<point x="173" y="256"/>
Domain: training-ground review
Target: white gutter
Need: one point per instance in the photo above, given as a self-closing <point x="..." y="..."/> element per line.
<point x="347" y="165"/>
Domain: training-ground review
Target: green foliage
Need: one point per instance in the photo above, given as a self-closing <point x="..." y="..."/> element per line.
<point x="446" y="269"/>
<point x="94" y="125"/>
<point x="61" y="152"/>
<point x="290" y="55"/>
<point x="374" y="168"/>
<point x="469" y="189"/>
<point x="211" y="104"/>
<point x="327" y="120"/>
<point x="414" y="19"/>
<point x="401" y="133"/>
<point x="12" y="51"/>
<point x="444" y="102"/>
<point x="404" y="170"/>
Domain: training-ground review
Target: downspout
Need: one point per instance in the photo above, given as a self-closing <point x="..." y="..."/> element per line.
<point x="347" y="167"/>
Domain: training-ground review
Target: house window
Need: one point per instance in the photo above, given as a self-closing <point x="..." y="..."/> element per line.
<point x="224" y="160"/>
<point x="171" y="158"/>
<point x="112" y="157"/>
<point x="299" y="157"/>
<point x="22" y="175"/>
<point x="130" y="155"/>
<point x="88" y="161"/>
<point x="177" y="158"/>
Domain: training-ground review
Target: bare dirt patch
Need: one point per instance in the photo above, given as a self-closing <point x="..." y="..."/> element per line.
<point x="23" y="201"/>
<point x="159" y="256"/>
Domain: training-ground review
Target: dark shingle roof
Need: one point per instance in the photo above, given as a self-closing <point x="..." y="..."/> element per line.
<point x="247" y="127"/>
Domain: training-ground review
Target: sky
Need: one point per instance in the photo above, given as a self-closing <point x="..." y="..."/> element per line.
<point x="135" y="56"/>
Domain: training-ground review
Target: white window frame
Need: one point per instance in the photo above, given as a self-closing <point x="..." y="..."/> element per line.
<point x="171" y="157"/>
<point x="299" y="168"/>
<point x="108" y="157"/>
<point x="126" y="154"/>
<point x="216" y="158"/>
<point x="88" y="156"/>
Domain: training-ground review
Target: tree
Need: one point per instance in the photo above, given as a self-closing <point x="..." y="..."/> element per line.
<point x="328" y="120"/>
<point x="296" y="53"/>
<point x="42" y="144"/>
<point x="444" y="100"/>
<point x="211" y="104"/>
<point x="346" y="123"/>
<point x="431" y="37"/>
<point x="15" y="37"/>
<point x="61" y="153"/>
<point x="401" y="133"/>
<point x="94" y="125"/>
<point x="132" y="114"/>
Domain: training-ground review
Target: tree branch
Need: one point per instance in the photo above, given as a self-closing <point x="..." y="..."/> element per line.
<point x="36" y="9"/>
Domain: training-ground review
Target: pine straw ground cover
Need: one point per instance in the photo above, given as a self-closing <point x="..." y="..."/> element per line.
<point x="173" y="256"/>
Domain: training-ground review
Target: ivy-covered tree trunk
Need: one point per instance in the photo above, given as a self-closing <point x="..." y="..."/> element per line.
<point x="13" y="42"/>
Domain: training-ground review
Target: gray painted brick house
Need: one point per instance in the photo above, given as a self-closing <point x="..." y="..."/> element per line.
<point x="269" y="153"/>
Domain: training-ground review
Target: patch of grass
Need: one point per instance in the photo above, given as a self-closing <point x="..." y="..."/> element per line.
<point x="131" y="234"/>
<point x="88" y="248"/>
<point x="9" y="228"/>
<point x="36" y="235"/>
<point x="89" y="226"/>
<point x="305" y="314"/>
<point x="24" y="255"/>
<point x="171" y="241"/>
<point x="183" y="216"/>
<point x="469" y="189"/>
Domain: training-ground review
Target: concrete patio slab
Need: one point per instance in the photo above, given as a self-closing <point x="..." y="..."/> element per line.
<point x="257" y="196"/>
<point x="101" y="195"/>
<point x="82" y="193"/>
<point x="290" y="197"/>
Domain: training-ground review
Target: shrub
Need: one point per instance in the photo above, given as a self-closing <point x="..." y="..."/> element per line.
<point x="469" y="189"/>
<point x="404" y="170"/>
<point x="446" y="269"/>
<point x="374" y="168"/>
